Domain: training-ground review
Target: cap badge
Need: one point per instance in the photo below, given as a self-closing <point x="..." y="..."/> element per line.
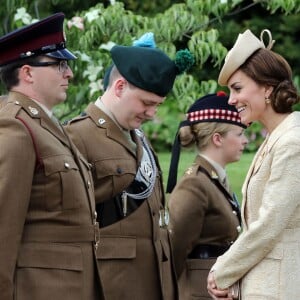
<point x="33" y="110"/>
<point x="26" y="54"/>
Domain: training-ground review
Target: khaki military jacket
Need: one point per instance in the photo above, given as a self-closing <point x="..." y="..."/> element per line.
<point x="46" y="209"/>
<point x="3" y="100"/>
<point x="134" y="255"/>
<point x="266" y="256"/>
<point x="200" y="214"/>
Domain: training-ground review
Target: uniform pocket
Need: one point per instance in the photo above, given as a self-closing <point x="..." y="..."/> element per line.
<point x="119" y="171"/>
<point x="49" y="271"/>
<point x="62" y="186"/>
<point x="197" y="272"/>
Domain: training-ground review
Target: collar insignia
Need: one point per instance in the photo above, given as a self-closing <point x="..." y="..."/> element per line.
<point x="33" y="110"/>
<point x="214" y="175"/>
<point x="189" y="171"/>
<point x="101" y="121"/>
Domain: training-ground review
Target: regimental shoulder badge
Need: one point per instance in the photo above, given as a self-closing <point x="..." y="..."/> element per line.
<point x="189" y="171"/>
<point x="33" y="110"/>
<point x="214" y="175"/>
<point x="101" y="121"/>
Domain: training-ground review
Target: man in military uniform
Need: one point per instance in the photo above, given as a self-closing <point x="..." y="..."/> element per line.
<point x="135" y="255"/>
<point x="48" y="228"/>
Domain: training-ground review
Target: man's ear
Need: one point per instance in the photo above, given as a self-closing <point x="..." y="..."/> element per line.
<point x="25" y="73"/>
<point x="119" y="86"/>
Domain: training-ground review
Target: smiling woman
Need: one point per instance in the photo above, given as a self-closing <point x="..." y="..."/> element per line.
<point x="262" y="89"/>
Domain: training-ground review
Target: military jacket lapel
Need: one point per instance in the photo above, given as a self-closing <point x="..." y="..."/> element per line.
<point x="113" y="132"/>
<point x="208" y="169"/>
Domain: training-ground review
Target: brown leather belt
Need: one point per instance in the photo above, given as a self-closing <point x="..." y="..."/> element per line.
<point x="61" y="234"/>
<point x="207" y="251"/>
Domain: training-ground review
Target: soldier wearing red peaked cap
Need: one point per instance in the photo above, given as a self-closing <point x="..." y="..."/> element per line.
<point x="47" y="215"/>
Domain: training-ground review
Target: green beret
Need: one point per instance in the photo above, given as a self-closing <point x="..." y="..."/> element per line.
<point x="148" y="68"/>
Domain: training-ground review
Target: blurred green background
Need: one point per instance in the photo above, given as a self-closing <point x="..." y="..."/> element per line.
<point x="236" y="171"/>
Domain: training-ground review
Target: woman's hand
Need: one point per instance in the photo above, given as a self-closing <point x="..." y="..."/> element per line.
<point x="212" y="289"/>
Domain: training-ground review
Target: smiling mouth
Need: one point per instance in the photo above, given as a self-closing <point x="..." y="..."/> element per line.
<point x="240" y="109"/>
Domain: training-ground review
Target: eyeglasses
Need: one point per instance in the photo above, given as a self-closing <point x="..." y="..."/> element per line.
<point x="62" y="64"/>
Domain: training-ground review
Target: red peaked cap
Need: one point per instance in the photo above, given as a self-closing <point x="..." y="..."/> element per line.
<point x="45" y="37"/>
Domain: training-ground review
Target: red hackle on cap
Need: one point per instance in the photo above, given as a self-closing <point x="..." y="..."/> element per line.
<point x="221" y="93"/>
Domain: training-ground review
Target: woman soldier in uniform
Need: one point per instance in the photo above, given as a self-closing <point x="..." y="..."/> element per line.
<point x="204" y="215"/>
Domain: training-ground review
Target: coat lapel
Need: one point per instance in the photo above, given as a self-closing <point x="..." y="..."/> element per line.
<point x="113" y="132"/>
<point x="211" y="172"/>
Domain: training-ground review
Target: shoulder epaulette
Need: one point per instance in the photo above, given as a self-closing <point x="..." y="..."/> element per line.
<point x="82" y="116"/>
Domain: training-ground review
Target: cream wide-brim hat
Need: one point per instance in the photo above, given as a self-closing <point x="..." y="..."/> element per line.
<point x="246" y="44"/>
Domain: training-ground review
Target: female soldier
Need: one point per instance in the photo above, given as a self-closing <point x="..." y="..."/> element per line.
<point x="204" y="215"/>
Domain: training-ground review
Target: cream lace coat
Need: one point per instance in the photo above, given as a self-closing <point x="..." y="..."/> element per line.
<point x="266" y="256"/>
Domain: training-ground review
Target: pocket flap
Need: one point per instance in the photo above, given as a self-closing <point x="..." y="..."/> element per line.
<point x="117" y="247"/>
<point x="52" y="256"/>
<point x="114" y="166"/>
<point x="59" y="163"/>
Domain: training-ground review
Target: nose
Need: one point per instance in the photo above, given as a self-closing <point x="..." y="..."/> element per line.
<point x="68" y="73"/>
<point x="150" y="112"/>
<point x="231" y="100"/>
<point x="245" y="140"/>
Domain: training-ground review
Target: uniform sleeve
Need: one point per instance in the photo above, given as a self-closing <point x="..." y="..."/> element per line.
<point x="17" y="162"/>
<point x="187" y="206"/>
<point x="280" y="198"/>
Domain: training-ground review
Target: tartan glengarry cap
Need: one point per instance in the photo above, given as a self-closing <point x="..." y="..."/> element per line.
<point x="45" y="37"/>
<point x="210" y="108"/>
<point x="213" y="108"/>
<point x="246" y="44"/>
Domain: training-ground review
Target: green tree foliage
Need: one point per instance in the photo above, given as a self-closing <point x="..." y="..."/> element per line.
<point x="206" y="27"/>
